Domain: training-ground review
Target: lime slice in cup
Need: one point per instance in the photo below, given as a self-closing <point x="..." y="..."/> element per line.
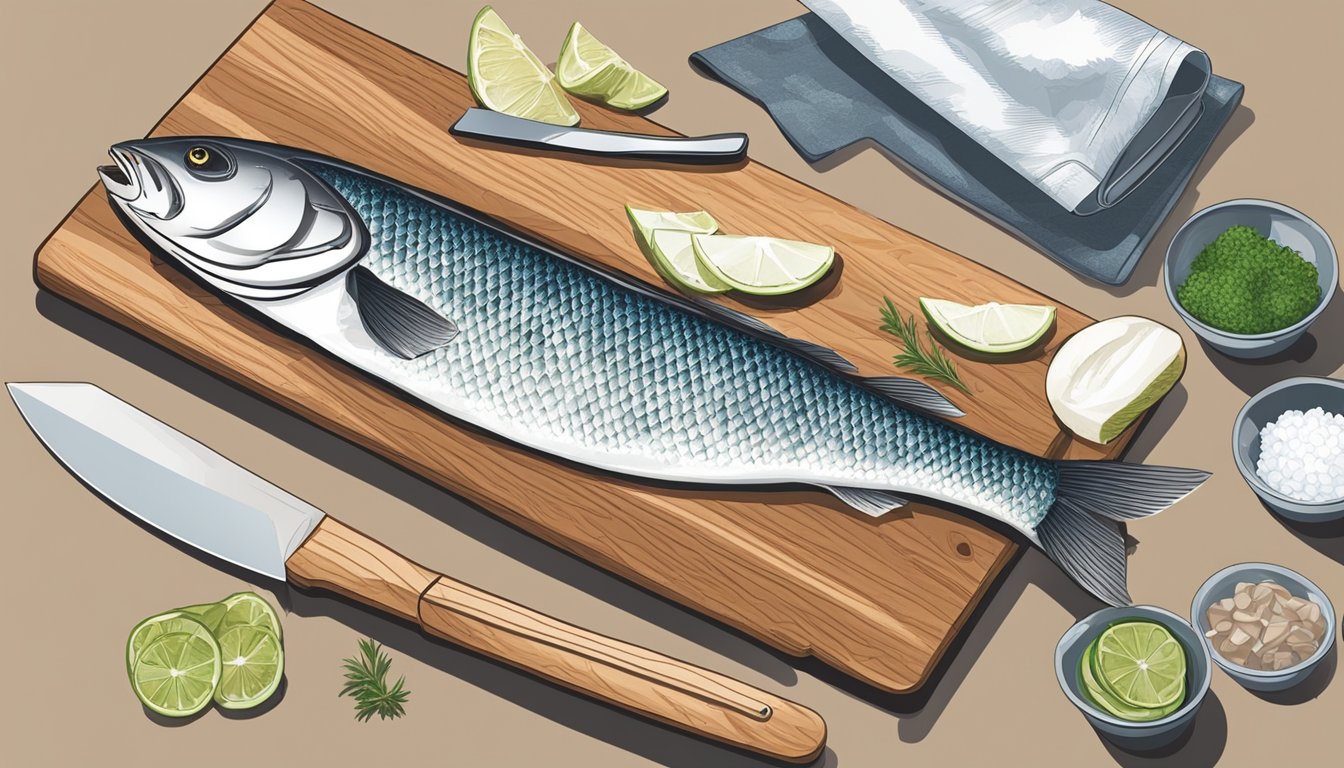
<point x="589" y="68"/>
<point x="507" y="77"/>
<point x="993" y="328"/>
<point x="1142" y="664"/>
<point x="175" y="674"/>
<point x="253" y="663"/>
<point x="1104" y="698"/>
<point x="763" y="266"/>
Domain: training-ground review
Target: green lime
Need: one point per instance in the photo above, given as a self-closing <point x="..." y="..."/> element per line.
<point x="664" y="238"/>
<point x="253" y="663"/>
<point x="993" y="327"/>
<point x="250" y="609"/>
<point x="1141" y="663"/>
<point x="1108" y="701"/>
<point x="589" y="68"/>
<point x="763" y="266"/>
<point x="175" y="674"/>
<point x="142" y="634"/>
<point x="209" y="614"/>
<point x="507" y="77"/>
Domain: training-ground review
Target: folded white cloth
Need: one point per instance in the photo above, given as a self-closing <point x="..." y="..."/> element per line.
<point x="1069" y="93"/>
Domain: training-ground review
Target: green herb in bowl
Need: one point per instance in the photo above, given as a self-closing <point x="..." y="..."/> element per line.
<point x="1245" y="283"/>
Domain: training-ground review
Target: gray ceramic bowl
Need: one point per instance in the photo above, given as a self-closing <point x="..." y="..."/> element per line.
<point x="1224" y="583"/>
<point x="1279" y="223"/>
<point x="1135" y="736"/>
<point x="1301" y="393"/>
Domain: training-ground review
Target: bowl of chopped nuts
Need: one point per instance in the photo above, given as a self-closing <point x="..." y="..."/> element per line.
<point x="1266" y="626"/>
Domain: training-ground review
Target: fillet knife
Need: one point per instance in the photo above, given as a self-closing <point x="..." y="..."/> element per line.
<point x="195" y="495"/>
<point x="487" y="124"/>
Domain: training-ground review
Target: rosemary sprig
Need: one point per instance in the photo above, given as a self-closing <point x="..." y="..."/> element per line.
<point x="934" y="363"/>
<point x="366" y="681"/>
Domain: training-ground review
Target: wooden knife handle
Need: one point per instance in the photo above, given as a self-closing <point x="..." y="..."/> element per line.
<point x="343" y="560"/>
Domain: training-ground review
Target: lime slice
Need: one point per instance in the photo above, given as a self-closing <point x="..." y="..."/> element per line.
<point x="1142" y="664"/>
<point x="1111" y="703"/>
<point x="253" y="663"/>
<point x="248" y="609"/>
<point x="763" y="266"/>
<point x="149" y="630"/>
<point x="507" y="77"/>
<point x="175" y="674"/>
<point x="209" y="614"/>
<point x="992" y="327"/>
<point x="589" y="68"/>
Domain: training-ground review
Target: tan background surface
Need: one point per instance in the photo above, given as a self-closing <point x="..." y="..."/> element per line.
<point x="78" y="77"/>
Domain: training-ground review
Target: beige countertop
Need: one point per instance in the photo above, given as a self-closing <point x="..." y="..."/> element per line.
<point x="80" y="76"/>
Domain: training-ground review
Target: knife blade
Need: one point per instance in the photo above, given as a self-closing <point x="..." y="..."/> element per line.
<point x="487" y="124"/>
<point x="188" y="491"/>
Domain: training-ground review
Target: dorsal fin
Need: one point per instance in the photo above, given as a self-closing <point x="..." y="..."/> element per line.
<point x="810" y="349"/>
<point x="913" y="393"/>
<point x="401" y="324"/>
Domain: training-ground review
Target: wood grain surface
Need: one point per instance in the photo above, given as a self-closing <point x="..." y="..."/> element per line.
<point x="338" y="558"/>
<point x="878" y="599"/>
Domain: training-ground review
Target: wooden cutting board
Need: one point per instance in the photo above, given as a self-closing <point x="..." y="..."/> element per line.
<point x="878" y="599"/>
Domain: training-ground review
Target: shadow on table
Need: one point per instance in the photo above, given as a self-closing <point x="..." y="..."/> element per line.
<point x="1201" y="747"/>
<point x="1326" y="538"/>
<point x="1308" y="689"/>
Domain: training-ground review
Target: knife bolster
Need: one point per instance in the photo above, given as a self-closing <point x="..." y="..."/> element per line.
<point x="339" y="558"/>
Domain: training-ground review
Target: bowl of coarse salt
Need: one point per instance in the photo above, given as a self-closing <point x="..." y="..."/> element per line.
<point x="1288" y="441"/>
<point x="1266" y="626"/>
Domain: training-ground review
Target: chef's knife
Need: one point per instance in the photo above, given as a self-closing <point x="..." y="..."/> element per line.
<point x="197" y="496"/>
<point x="487" y="124"/>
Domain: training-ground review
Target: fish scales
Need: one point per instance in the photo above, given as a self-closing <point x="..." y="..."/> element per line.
<point x="549" y="345"/>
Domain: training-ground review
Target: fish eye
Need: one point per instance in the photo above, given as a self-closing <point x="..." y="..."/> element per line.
<point x="208" y="162"/>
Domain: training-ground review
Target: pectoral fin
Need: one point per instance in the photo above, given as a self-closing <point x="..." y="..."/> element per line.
<point x="401" y="324"/>
<point x="866" y="500"/>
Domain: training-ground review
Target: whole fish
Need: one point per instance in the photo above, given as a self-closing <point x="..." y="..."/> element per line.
<point x="535" y="346"/>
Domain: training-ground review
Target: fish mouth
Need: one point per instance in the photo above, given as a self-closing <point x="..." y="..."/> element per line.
<point x="122" y="179"/>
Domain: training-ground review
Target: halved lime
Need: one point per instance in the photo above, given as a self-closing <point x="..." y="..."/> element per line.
<point x="589" y="68"/>
<point x="175" y="674"/>
<point x="1141" y="663"/>
<point x="249" y="609"/>
<point x="993" y="327"/>
<point x="507" y="77"/>
<point x="149" y="630"/>
<point x="253" y="663"/>
<point x="1108" y="701"/>
<point x="763" y="266"/>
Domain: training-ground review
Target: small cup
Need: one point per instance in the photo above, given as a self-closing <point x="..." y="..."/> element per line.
<point x="1301" y="393"/>
<point x="1224" y="583"/>
<point x="1279" y="223"/>
<point x="1135" y="736"/>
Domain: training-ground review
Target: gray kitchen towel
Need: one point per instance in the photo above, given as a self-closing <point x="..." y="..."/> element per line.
<point x="825" y="95"/>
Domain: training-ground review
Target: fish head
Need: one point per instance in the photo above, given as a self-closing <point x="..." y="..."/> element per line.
<point x="245" y="217"/>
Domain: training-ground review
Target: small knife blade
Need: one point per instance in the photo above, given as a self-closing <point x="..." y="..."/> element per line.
<point x="190" y="492"/>
<point x="487" y="124"/>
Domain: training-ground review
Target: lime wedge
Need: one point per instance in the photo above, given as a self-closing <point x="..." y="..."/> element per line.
<point x="674" y="257"/>
<point x="763" y="266"/>
<point x="507" y="77"/>
<point x="175" y="674"/>
<point x="248" y="609"/>
<point x="1142" y="664"/>
<point x="589" y="68"/>
<point x="644" y="222"/>
<point x="1108" y="701"/>
<point x="992" y="327"/>
<point x="253" y="663"/>
<point x="149" y="630"/>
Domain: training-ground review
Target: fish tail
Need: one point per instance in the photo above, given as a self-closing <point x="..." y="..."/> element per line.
<point x="1082" y="532"/>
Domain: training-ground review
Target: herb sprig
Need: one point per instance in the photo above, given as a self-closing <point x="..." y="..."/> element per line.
<point x="933" y="363"/>
<point x="366" y="682"/>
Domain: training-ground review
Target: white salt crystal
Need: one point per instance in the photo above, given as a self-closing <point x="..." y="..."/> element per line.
<point x="1302" y="455"/>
